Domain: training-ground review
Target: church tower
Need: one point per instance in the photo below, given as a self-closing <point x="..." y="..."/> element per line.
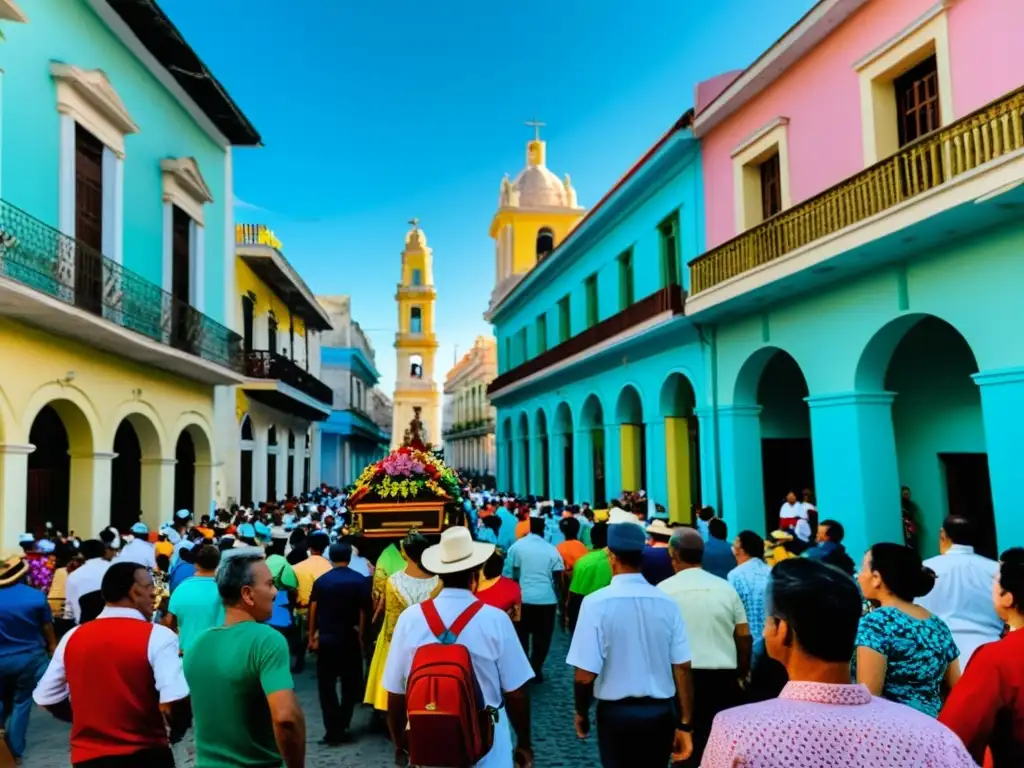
<point x="536" y="211"/>
<point x="415" y="343"/>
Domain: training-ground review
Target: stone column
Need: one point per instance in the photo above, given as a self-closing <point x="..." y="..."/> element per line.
<point x="678" y="463"/>
<point x="300" y="463"/>
<point x="537" y="468"/>
<point x="204" y="490"/>
<point x="612" y="463"/>
<point x="315" y="458"/>
<point x="583" y="466"/>
<point x="157" y="490"/>
<point x="89" y="507"/>
<point x="742" y="478"/>
<point x="629" y="456"/>
<point x="13" y="495"/>
<point x="522" y="479"/>
<point x="501" y="459"/>
<point x="656" y="482"/>
<point x="259" y="467"/>
<point x="1002" y="396"/>
<point x="856" y="474"/>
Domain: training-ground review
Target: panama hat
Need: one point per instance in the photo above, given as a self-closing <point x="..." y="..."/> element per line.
<point x="456" y="552"/>
<point x="11" y="570"/>
<point x="659" y="528"/>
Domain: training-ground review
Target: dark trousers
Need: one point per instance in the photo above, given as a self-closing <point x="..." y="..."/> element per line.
<point x="572" y="609"/>
<point x="151" y="758"/>
<point x="536" y="623"/>
<point x="713" y="691"/>
<point x="636" y="733"/>
<point x="339" y="659"/>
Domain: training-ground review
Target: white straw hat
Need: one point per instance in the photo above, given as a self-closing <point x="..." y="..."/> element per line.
<point x="456" y="552"/>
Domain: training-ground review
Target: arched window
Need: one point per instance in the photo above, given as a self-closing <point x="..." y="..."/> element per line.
<point x="415" y="320"/>
<point x="291" y="440"/>
<point x="545" y="242"/>
<point x="272" y="436"/>
<point x="247" y="429"/>
<point x="416" y="366"/>
<point x="417" y="277"/>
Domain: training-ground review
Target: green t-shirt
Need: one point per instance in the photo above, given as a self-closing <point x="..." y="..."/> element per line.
<point x="591" y="572"/>
<point x="230" y="672"/>
<point x="197" y="606"/>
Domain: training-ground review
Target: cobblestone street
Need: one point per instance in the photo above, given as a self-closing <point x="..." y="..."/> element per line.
<point x="555" y="743"/>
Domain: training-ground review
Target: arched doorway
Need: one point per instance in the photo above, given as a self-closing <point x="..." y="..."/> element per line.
<point x="246" y="446"/>
<point x="682" y="448"/>
<point x="126" y="478"/>
<point x="629" y="415"/>
<point x="545" y="242"/>
<point x="543" y="454"/>
<point x="271" y="464"/>
<point x="563" y="447"/>
<point x="523" y="485"/>
<point x="592" y="448"/>
<point x="772" y="379"/>
<point x="49" y="473"/>
<point x="939" y="434"/>
<point x="185" y="474"/>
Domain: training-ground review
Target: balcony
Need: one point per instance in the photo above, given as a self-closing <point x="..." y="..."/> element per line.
<point x="56" y="283"/>
<point x="630" y="321"/>
<point x="919" y="168"/>
<point x="280" y="383"/>
<point x="473" y="428"/>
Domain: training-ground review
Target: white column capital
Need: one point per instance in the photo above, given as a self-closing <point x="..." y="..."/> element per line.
<point x="158" y="462"/>
<point x="17" y="449"/>
<point x="100" y="456"/>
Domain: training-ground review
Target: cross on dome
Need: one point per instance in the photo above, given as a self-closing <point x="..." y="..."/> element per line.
<point x="536" y="125"/>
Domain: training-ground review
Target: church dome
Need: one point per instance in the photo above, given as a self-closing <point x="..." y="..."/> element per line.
<point x="540" y="188"/>
<point x="415" y="239"/>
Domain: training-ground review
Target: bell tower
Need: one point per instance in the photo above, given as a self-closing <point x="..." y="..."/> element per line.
<point x="415" y="343"/>
<point x="536" y="211"/>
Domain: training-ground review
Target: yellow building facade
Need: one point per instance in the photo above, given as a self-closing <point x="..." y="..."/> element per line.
<point x="281" y="402"/>
<point x="469" y="440"/>
<point x="415" y="343"/>
<point x="536" y="212"/>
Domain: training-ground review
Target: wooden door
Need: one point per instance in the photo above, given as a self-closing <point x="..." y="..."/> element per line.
<point x="88" y="222"/>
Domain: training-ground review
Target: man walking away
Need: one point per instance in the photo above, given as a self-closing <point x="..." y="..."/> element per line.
<point x="718" y="556"/>
<point x="339" y="614"/>
<point x="535" y="564"/>
<point x="820" y="718"/>
<point x="718" y="632"/>
<point x="118" y="680"/>
<point x="26" y="638"/>
<point x="196" y="605"/>
<point x="630" y="652"/>
<point x="246" y="712"/>
<point x="499" y="663"/>
<point x="962" y="595"/>
<point x="592" y="572"/>
<point x="84" y="582"/>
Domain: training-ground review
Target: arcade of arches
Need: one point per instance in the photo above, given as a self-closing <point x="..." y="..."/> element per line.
<point x="62" y="476"/>
<point x="274" y="460"/>
<point x="591" y="457"/>
<point x="919" y="411"/>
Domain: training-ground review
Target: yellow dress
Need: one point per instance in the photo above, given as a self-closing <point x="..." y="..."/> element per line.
<point x="400" y="591"/>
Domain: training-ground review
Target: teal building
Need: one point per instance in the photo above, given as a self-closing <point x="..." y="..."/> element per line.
<point x="599" y="372"/>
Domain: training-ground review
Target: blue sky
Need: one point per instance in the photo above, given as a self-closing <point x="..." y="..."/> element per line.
<point x="372" y="114"/>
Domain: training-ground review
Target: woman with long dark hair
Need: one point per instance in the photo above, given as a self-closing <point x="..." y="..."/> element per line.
<point x="904" y="653"/>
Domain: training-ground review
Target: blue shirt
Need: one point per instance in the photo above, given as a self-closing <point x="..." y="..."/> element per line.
<point x="360" y="565"/>
<point x="750" y="580"/>
<point x="197" y="607"/>
<point x="507" y="532"/>
<point x="657" y="565"/>
<point x="179" y="573"/>
<point x="718" y="557"/>
<point x="487" y="536"/>
<point x="23" y="614"/>
<point x="341" y="595"/>
<point x="552" y="532"/>
<point x="280" y="616"/>
<point x="533" y="562"/>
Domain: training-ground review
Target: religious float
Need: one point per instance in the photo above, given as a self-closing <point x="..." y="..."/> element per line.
<point x="409" y="488"/>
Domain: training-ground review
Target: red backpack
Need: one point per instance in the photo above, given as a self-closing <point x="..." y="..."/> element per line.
<point x="450" y="726"/>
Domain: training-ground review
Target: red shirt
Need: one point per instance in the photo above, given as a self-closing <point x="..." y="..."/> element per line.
<point x="986" y="708"/>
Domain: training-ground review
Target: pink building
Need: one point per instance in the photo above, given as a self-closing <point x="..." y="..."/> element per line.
<point x="816" y="86"/>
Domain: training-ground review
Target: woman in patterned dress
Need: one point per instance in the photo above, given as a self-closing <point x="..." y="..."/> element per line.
<point x="904" y="653"/>
<point x="402" y="589"/>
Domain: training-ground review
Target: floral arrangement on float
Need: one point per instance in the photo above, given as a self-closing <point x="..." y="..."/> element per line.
<point x="407" y="474"/>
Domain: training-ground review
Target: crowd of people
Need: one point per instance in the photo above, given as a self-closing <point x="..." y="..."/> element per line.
<point x="698" y="649"/>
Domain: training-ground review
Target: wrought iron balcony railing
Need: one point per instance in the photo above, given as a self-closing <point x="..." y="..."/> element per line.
<point x="666" y="300"/>
<point x="261" y="364"/>
<point x="48" y="261"/>
<point x="470" y="428"/>
<point x="991" y="132"/>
